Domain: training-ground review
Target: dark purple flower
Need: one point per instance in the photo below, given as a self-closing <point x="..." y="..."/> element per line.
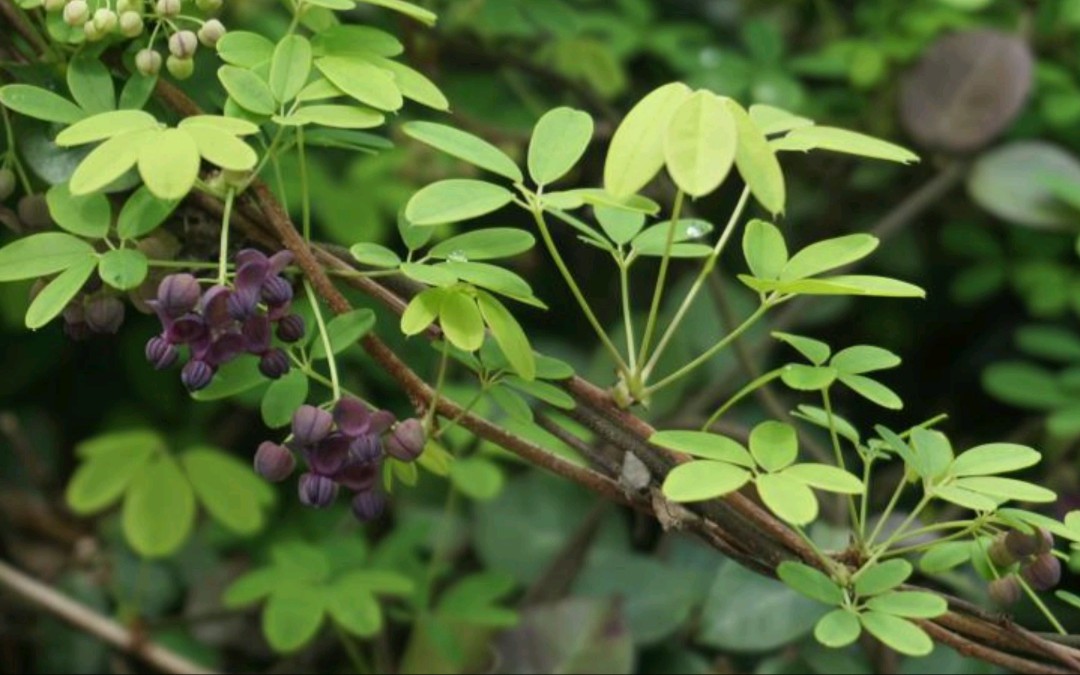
<point x="274" y="364"/>
<point x="358" y="477"/>
<point x="290" y="328"/>
<point x="368" y="505"/>
<point x="274" y="462"/>
<point x="356" y="419"/>
<point x="215" y="307"/>
<point x="328" y="456"/>
<point x="196" y="375"/>
<point x="365" y="449"/>
<point x="310" y="424"/>
<point x="160" y="353"/>
<point x="177" y="294"/>
<point x="317" y="491"/>
<point x="104" y="314"/>
<point x="242" y="303"/>
<point x="185" y="330"/>
<point x="406" y="441"/>
<point x="256" y="332"/>
<point x="276" y="291"/>
<point x="225" y="348"/>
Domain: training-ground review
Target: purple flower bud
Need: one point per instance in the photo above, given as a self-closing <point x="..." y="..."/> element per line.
<point x="317" y="491"/>
<point x="353" y="417"/>
<point x="358" y="477"/>
<point x="104" y="314"/>
<point x="1043" y="572"/>
<point x="310" y="424"/>
<point x="160" y="353"/>
<point x="1000" y="554"/>
<point x="368" y="505"/>
<point x="407" y="440"/>
<point x="276" y="291"/>
<point x="1005" y="591"/>
<point x="328" y="456"/>
<point x="177" y="294"/>
<point x="291" y="328"/>
<point x="1020" y="544"/>
<point x="256" y="332"/>
<point x="196" y="375"/>
<point x="1045" y="540"/>
<point x="274" y="462"/>
<point x="274" y="364"/>
<point x="185" y="330"/>
<point x="365" y="449"/>
<point x="242" y="303"/>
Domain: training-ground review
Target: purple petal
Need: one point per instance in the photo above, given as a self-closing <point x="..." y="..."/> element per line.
<point x="225" y="348"/>
<point x="280" y="261"/>
<point x="185" y="330"/>
<point x="358" y="477"/>
<point x="353" y="417"/>
<point x="329" y="455"/>
<point x="256" y="331"/>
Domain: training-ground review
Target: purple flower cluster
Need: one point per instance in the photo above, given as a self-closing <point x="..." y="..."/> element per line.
<point x="222" y="323"/>
<point x="342" y="449"/>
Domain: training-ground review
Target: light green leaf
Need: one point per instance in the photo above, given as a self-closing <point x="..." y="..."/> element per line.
<point x="290" y="67"/>
<point x="493" y="278"/>
<point x="873" y="390"/>
<point x="222" y="148"/>
<point x="815" y="351"/>
<point x="85" y="215"/>
<point x="652" y="240"/>
<point x="421" y="311"/>
<point x="703" y="444"/>
<point x="838" y="628"/>
<point x="966" y="498"/>
<point x="355" y="609"/>
<point x="464" y="146"/>
<point x="253" y="586"/>
<point x="828" y="255"/>
<point x="699" y="145"/>
<point x="244" y="49"/>
<point x="636" y="153"/>
<point x="544" y="391"/>
<point x="293" y="615"/>
<point x="378" y="582"/>
<point x="42" y="254"/>
<point x="490" y="243"/>
<point x="934" y="450"/>
<point x="159" y="509"/>
<point x="477" y="478"/>
<point x="882" y="577"/>
<point x="764" y="249"/>
<point x="105" y="125"/>
<point x="1007" y="488"/>
<point x="353" y="40"/>
<point x="773" y="120"/>
<point x="820" y="418"/>
<point x="900" y="634"/>
<point x="461" y="321"/>
<point x="40" y="104"/>
<point x="811" y="582"/>
<point x="826" y="477"/>
<point x="701" y="480"/>
<point x="90" y="83"/>
<point x="102" y="478"/>
<point x="994" y="458"/>
<point x="344" y="331"/>
<point x="756" y="161"/>
<point x="774" y="445"/>
<point x="375" y="255"/>
<point x="429" y="274"/>
<point x="338" y="5"/>
<point x="340" y="116"/>
<point x="454" y="200"/>
<point x="599" y="197"/>
<point x="362" y="81"/>
<point x="808" y="378"/>
<point x="860" y="284"/>
<point x="230" y="125"/>
<point x="170" y="166"/>
<point x="413" y="84"/>
<point x="410" y="10"/>
<point x="58" y="293"/>
<point x="841" y="140"/>
<point x="945" y="556"/>
<point x="863" y="359"/>
<point x="509" y="335"/>
<point x="790" y="499"/>
<point x="909" y="604"/>
<point x="227" y="488"/>
<point x="474" y="600"/>
<point x="142" y="213"/>
<point x="110" y="160"/>
<point x="137" y="91"/>
<point x="620" y="225"/>
<point x="247" y="90"/>
<point x="282" y="398"/>
<point x="558" y="141"/>
<point x="123" y="269"/>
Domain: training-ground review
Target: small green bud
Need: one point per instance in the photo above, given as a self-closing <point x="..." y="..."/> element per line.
<point x="131" y="24"/>
<point x="181" y="69"/>
<point x="208" y="5"/>
<point x="167" y="8"/>
<point x="182" y="44"/>
<point x="129" y="6"/>
<point x="92" y="32"/>
<point x="54" y="5"/>
<point x="148" y="62"/>
<point x="105" y="20"/>
<point x="7" y="183"/>
<point x="211" y="32"/>
<point x="76" y="13"/>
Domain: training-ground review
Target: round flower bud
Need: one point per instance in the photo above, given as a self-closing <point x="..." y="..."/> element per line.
<point x="1043" y="572"/>
<point x="148" y="62"/>
<point x="178" y="294"/>
<point x="290" y="328"/>
<point x="76" y="13"/>
<point x="1000" y="554"/>
<point x="365" y="449"/>
<point x="104" y="314"/>
<point x="105" y="20"/>
<point x="33" y="211"/>
<point x="241" y="305"/>
<point x="7" y="183"/>
<point x="1044" y="540"/>
<point x="310" y="424"/>
<point x="368" y="505"/>
<point x="274" y="364"/>
<point x="123" y="6"/>
<point x="211" y="31"/>
<point x="183" y="43"/>
<point x="131" y="24"/>
<point x="276" y="291"/>
<point x="406" y="441"/>
<point x="1021" y="545"/>
<point x="274" y="462"/>
<point x="167" y="8"/>
<point x="317" y="491"/>
<point x="181" y="69"/>
<point x="1005" y="591"/>
<point x="208" y="5"/>
<point x="54" y="5"/>
<point x="196" y="375"/>
<point x="161" y="353"/>
<point x="92" y="32"/>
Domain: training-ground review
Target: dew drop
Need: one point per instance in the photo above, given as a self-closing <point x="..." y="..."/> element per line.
<point x="457" y="256"/>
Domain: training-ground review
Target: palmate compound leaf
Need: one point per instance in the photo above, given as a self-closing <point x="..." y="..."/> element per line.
<point x="464" y="146"/>
<point x="811" y="582"/>
<point x="699" y="145"/>
<point x="789" y="498"/>
<point x="703" y="479"/>
<point x="85" y="215"/>
<point x="774" y="445"/>
<point x="422" y="311"/>
<point x="109" y="464"/>
<point x="227" y="489"/>
<point x="636" y="153"/>
<point x="290" y="67"/>
<point x="293" y="615"/>
<point x="159" y="509"/>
